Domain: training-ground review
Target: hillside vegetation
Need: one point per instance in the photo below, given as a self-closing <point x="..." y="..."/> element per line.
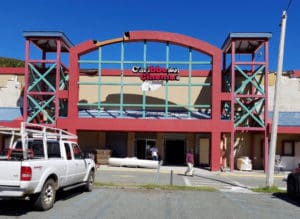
<point x="9" y="62"/>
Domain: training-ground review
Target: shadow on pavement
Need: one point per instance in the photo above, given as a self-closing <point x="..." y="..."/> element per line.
<point x="216" y="180"/>
<point x="14" y="207"/>
<point x="19" y="207"/>
<point x="286" y="198"/>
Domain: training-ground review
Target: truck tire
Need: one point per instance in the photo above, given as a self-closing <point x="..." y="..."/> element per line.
<point x="46" y="198"/>
<point x="291" y="187"/>
<point x="90" y="182"/>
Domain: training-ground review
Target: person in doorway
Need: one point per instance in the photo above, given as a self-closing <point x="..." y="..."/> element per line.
<point x="190" y="163"/>
<point x="154" y="152"/>
<point x="160" y="161"/>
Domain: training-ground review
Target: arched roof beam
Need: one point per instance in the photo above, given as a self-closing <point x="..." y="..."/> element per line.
<point x="155" y="36"/>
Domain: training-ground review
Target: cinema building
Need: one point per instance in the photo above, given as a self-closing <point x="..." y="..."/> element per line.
<point x="151" y="87"/>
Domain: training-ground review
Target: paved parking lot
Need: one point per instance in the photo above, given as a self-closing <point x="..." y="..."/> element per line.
<point x="233" y="200"/>
<point x="143" y="203"/>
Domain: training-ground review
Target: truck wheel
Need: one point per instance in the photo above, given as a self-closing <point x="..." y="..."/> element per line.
<point x="90" y="183"/>
<point x="45" y="200"/>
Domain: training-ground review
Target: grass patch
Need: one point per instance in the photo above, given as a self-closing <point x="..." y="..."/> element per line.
<point x="170" y="187"/>
<point x="104" y="184"/>
<point x="272" y="189"/>
<point x="156" y="186"/>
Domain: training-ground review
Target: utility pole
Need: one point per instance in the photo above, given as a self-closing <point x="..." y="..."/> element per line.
<point x="272" y="151"/>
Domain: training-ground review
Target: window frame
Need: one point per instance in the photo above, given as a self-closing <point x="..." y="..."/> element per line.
<point x="76" y="151"/>
<point x="284" y="145"/>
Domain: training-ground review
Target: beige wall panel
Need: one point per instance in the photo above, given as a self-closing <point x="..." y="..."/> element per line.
<point x="297" y="154"/>
<point x="110" y="94"/>
<point x="177" y="95"/>
<point x="132" y="79"/>
<point x="4" y="79"/>
<point x="21" y="79"/>
<point x="88" y="93"/>
<point x="204" y="150"/>
<point x="130" y="144"/>
<point x="271" y="79"/>
<point x="201" y="95"/>
<point x="258" y="160"/>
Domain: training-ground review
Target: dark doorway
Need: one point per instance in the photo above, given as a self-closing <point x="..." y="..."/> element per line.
<point x="117" y="142"/>
<point x="143" y="148"/>
<point x="140" y="149"/>
<point x="174" y="152"/>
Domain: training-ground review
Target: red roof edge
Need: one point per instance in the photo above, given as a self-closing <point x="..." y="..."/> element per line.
<point x="12" y="70"/>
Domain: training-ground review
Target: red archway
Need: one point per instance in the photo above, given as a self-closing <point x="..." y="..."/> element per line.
<point x="214" y="126"/>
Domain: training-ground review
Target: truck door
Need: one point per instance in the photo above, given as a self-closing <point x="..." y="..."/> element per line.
<point x="71" y="165"/>
<point x="76" y="164"/>
<point x="79" y="162"/>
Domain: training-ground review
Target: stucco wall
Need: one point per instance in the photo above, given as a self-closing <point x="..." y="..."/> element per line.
<point x="10" y="88"/>
<point x="288" y="96"/>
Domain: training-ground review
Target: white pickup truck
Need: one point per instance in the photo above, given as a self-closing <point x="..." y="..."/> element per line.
<point x="40" y="160"/>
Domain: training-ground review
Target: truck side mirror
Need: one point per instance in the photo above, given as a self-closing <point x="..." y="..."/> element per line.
<point x="87" y="155"/>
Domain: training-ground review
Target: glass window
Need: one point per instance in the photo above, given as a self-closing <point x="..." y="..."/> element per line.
<point x="76" y="151"/>
<point x="68" y="152"/>
<point x="53" y="149"/>
<point x="143" y="148"/>
<point x="288" y="148"/>
<point x="37" y="148"/>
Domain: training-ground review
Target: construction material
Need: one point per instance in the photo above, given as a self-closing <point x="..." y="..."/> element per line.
<point x="133" y="162"/>
<point x="102" y="156"/>
<point x="244" y="163"/>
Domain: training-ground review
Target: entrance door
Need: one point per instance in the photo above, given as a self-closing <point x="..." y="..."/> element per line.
<point x="297" y="154"/>
<point x="117" y="142"/>
<point x="204" y="152"/>
<point x="174" y="152"/>
<point x="143" y="148"/>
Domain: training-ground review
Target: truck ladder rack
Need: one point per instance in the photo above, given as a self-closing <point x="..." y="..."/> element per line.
<point x="35" y="131"/>
<point x="41" y="131"/>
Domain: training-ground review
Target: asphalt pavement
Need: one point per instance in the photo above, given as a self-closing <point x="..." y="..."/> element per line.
<point x="236" y="181"/>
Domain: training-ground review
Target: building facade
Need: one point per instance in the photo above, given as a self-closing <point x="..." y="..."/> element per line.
<point x="153" y="88"/>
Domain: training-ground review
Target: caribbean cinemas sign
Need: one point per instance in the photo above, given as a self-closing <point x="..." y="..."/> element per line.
<point x="156" y="73"/>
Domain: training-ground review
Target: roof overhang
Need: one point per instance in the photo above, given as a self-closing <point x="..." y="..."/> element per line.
<point x="47" y="40"/>
<point x="245" y="42"/>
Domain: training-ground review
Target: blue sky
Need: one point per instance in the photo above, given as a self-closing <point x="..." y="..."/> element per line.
<point x="209" y="20"/>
